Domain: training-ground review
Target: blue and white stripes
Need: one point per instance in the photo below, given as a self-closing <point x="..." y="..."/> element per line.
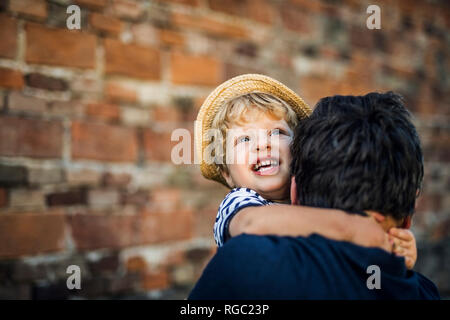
<point x="235" y="200"/>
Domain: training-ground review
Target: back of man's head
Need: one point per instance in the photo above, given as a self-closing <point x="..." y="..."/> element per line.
<point x="358" y="153"/>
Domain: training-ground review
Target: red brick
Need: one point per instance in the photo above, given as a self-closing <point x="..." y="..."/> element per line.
<point x="195" y="70"/>
<point x="3" y="198"/>
<point x="11" y="79"/>
<point x="296" y="19"/>
<point x="30" y="234"/>
<point x="309" y="6"/>
<point x="136" y="265"/>
<point x="33" y="8"/>
<point x="106" y="24"/>
<point x="60" y="47"/>
<point x="171" y="38"/>
<point x="131" y="60"/>
<point x="186" y="2"/>
<point x="8" y="34"/>
<point x="103" y="142"/>
<point x="94" y="231"/>
<point x="157" y="146"/>
<point x="126" y="9"/>
<point x="210" y="26"/>
<point x="165" y="200"/>
<point x="103" y="111"/>
<point x="235" y="7"/>
<point x="32" y="138"/>
<point x="155" y="280"/>
<point x="115" y="92"/>
<point x="165" y="114"/>
<point x="261" y="11"/>
<point x="92" y="4"/>
<point x="166" y="226"/>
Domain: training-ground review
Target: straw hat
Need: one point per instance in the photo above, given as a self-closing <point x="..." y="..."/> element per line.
<point x="231" y="89"/>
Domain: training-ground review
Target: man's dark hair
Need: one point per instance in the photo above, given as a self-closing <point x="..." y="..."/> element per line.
<point x="358" y="153"/>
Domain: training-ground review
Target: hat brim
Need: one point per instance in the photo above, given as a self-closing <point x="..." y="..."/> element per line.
<point x="231" y="89"/>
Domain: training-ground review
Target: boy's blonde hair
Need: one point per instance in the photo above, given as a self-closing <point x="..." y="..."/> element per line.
<point x="246" y="108"/>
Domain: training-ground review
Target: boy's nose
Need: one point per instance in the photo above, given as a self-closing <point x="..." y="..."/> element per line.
<point x="263" y="147"/>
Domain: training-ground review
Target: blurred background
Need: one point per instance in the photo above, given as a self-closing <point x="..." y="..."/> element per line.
<point x="86" y="117"/>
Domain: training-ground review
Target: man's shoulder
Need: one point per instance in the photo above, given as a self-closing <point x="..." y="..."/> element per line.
<point x="271" y="246"/>
<point x="428" y="289"/>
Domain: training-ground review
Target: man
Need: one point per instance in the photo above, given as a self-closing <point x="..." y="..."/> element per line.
<point x="358" y="154"/>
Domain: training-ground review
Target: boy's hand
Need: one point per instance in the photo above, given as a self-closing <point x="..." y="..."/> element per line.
<point x="404" y="245"/>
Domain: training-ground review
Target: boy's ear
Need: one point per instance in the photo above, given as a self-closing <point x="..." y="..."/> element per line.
<point x="228" y="179"/>
<point x="294" y="199"/>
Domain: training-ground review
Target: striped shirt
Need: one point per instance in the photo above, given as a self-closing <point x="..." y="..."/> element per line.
<point x="235" y="200"/>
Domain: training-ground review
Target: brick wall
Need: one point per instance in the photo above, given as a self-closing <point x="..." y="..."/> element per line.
<point x="86" y="117"/>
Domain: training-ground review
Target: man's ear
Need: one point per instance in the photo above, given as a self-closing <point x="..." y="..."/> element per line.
<point x="406" y="223"/>
<point x="294" y="199"/>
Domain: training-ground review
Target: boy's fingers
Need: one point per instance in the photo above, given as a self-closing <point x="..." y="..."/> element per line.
<point x="401" y="233"/>
<point x="402" y="243"/>
<point x="409" y="262"/>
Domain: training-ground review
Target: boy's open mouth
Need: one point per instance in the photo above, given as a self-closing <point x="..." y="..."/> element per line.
<point x="266" y="166"/>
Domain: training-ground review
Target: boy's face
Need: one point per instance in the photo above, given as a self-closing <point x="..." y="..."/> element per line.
<point x="258" y="156"/>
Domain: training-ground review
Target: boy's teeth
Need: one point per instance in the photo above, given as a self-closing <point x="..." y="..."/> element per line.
<point x="264" y="164"/>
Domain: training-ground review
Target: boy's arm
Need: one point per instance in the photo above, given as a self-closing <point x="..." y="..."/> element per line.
<point x="290" y="220"/>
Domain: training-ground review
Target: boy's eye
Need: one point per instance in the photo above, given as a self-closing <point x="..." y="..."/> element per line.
<point x="275" y="132"/>
<point x="242" y="139"/>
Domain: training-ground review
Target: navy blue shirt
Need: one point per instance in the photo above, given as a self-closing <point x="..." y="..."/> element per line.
<point x="273" y="267"/>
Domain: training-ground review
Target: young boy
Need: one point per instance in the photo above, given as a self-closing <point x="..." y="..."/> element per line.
<point x="255" y="116"/>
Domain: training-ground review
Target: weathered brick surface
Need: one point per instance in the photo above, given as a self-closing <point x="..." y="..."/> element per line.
<point x="3" y="197"/>
<point x="106" y="24"/>
<point x="92" y="4"/>
<point x="115" y="92"/>
<point x="30" y="138"/>
<point x="40" y="81"/>
<point x="34" y="8"/>
<point x="8" y="34"/>
<point x="103" y="111"/>
<point x="11" y="79"/>
<point x="86" y="118"/>
<point x="157" y="146"/>
<point x="67" y="47"/>
<point x="13" y="176"/>
<point x="93" y="231"/>
<point x="195" y="70"/>
<point x="22" y="103"/>
<point x="131" y="60"/>
<point x="103" y="142"/>
<point x="30" y="233"/>
<point x="209" y="26"/>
